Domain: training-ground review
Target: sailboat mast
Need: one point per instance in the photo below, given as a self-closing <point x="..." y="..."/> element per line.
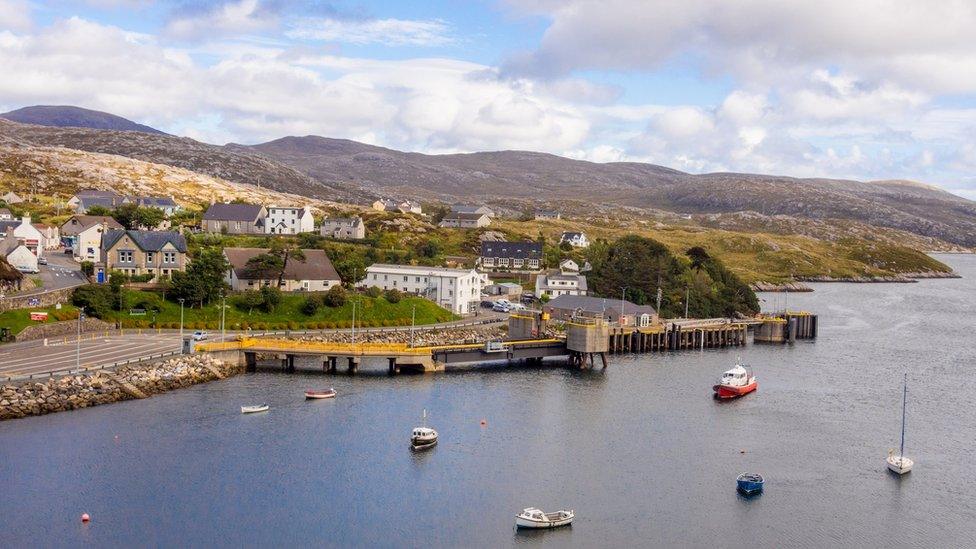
<point x="904" y="401"/>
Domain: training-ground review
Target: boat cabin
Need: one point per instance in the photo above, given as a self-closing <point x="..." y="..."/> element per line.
<point x="735" y="376"/>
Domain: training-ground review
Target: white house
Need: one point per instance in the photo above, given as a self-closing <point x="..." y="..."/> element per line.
<point x="343" y="228"/>
<point x="26" y="233"/>
<point x="18" y="255"/>
<point x="315" y="273"/>
<point x="465" y="220"/>
<point x="283" y="220"/>
<point x="5" y="215"/>
<point x="11" y="198"/>
<point x="88" y="243"/>
<point x="388" y="205"/>
<point x="458" y="290"/>
<point x="576" y="240"/>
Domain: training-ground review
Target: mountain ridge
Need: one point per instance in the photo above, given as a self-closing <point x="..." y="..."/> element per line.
<point x="68" y="116"/>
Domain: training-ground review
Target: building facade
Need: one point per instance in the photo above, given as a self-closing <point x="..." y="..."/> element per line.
<point x="235" y="219"/>
<point x="26" y="233"/>
<point x="465" y="220"/>
<point x="614" y="311"/>
<point x="343" y="228"/>
<point x="315" y="273"/>
<point x="286" y="220"/>
<point x="515" y="256"/>
<point x="575" y="239"/>
<point x="160" y="253"/>
<point x="457" y="290"/>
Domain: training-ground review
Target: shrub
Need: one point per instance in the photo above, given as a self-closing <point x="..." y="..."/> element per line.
<point x="335" y="297"/>
<point x="374" y="292"/>
<point x="88" y="268"/>
<point x="392" y="295"/>
<point x="95" y="300"/>
<point x="311" y="305"/>
<point x="272" y="298"/>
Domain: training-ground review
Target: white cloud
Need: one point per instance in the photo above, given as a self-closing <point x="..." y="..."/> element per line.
<point x="15" y="15"/>
<point x="390" y="32"/>
<point x="231" y="18"/>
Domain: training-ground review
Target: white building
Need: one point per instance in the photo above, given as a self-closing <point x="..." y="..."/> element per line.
<point x="567" y="280"/>
<point x="282" y="220"/>
<point x="458" y="290"/>
<point x="18" y="255"/>
<point x="576" y="240"/>
<point x="26" y="233"/>
<point x="343" y="228"/>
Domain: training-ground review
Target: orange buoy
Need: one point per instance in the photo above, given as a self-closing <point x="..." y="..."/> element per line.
<point x="483" y="423"/>
<point x="742" y="451"/>
<point x="85" y="517"/>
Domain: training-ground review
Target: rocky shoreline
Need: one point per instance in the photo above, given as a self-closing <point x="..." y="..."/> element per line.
<point x="58" y="394"/>
<point x="421" y="337"/>
<point x="799" y="286"/>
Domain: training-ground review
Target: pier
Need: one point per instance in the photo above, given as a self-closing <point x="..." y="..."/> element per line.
<point x="585" y="341"/>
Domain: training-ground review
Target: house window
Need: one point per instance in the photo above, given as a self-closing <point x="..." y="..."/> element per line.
<point x="150" y="257"/>
<point x="503" y="262"/>
<point x="406" y="278"/>
<point x="517" y="262"/>
<point x="533" y="263"/>
<point x="418" y="280"/>
<point x="125" y="256"/>
<point x="488" y="261"/>
<point x="169" y="257"/>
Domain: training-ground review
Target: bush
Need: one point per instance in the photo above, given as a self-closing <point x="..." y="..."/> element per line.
<point x="88" y="268"/>
<point x="335" y="297"/>
<point x="95" y="300"/>
<point x="392" y="295"/>
<point x="311" y="305"/>
<point x="272" y="298"/>
<point x="374" y="292"/>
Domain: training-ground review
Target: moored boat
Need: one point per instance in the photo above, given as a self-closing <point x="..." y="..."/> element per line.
<point x="749" y="483"/>
<point x="423" y="437"/>
<point x="899" y="464"/>
<point x="317" y="394"/>
<point x="254" y="409"/>
<point x="536" y="518"/>
<point x="735" y="382"/>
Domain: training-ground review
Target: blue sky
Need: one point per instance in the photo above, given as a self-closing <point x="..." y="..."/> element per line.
<point x="837" y="88"/>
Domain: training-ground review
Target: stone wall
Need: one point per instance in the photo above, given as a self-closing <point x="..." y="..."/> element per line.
<point x="60" y="394"/>
<point x="45" y="299"/>
<point x="66" y="328"/>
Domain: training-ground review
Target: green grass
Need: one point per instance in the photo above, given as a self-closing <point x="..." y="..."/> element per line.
<point x="370" y="312"/>
<point x="19" y="319"/>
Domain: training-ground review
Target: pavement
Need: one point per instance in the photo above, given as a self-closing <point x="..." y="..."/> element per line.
<point x="34" y="358"/>
<point x="61" y="272"/>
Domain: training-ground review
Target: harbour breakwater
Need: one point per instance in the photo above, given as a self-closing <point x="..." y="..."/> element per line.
<point x="59" y="394"/>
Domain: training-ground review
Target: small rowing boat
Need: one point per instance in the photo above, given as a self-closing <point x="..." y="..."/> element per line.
<point x="254" y="409"/>
<point x="749" y="483"/>
<point x="313" y="394"/>
<point x="536" y="518"/>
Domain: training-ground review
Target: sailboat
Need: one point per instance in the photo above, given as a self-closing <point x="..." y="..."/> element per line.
<point x="900" y="464"/>
<point x="423" y="437"/>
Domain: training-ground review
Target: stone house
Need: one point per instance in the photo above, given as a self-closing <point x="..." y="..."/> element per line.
<point x="313" y="274"/>
<point x="343" y="228"/>
<point x="465" y="221"/>
<point x="235" y="219"/>
<point x="515" y="256"/>
<point x="160" y="253"/>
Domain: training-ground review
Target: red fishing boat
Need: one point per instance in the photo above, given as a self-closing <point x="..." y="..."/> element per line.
<point x="736" y="382"/>
<point x="313" y="394"/>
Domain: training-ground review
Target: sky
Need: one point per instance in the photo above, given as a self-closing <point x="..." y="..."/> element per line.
<point x="858" y="89"/>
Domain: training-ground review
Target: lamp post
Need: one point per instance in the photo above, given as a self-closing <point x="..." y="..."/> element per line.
<point x="413" y="319"/>
<point x="623" y="297"/>
<point x="687" y="297"/>
<point x="181" y="324"/>
<point x="81" y="316"/>
<point x="354" y="322"/>
<point x="223" y="313"/>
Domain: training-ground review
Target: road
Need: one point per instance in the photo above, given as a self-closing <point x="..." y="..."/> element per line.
<point x="34" y="358"/>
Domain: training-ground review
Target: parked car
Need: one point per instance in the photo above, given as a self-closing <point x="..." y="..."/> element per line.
<point x="517" y="307"/>
<point x="529" y="298"/>
<point x="69" y="251"/>
<point x="42" y="261"/>
<point x="487" y="303"/>
<point x="500" y="307"/>
<point x="199" y="336"/>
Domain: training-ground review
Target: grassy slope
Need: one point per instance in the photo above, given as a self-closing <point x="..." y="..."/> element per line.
<point x="369" y="312"/>
<point x="19" y="319"/>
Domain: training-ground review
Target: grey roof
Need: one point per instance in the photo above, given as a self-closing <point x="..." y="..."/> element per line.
<point x="79" y="223"/>
<point x="95" y="193"/>
<point x="8" y="244"/>
<point x="160" y="202"/>
<point x="591" y="304"/>
<point x="351" y="221"/>
<point x="316" y="265"/>
<point x="465" y="208"/>
<point x="148" y="241"/>
<point x="571" y="234"/>
<point x="470" y="216"/>
<point x="6" y="226"/>
<point x="89" y="201"/>
<point x="517" y="250"/>
<point x="5" y="211"/>
<point x="233" y="212"/>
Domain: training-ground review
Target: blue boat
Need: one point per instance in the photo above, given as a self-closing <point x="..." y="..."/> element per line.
<point x="749" y="483"/>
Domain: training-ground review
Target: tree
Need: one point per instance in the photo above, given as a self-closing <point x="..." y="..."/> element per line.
<point x="203" y="280"/>
<point x="88" y="268"/>
<point x="274" y="262"/>
<point x="392" y="295"/>
<point x="429" y="249"/>
<point x="335" y="297"/>
<point x="250" y="300"/>
<point x="94" y="299"/>
<point x="374" y="291"/>
<point x="311" y="305"/>
<point x="131" y="216"/>
<point x="98" y="210"/>
<point x="272" y="298"/>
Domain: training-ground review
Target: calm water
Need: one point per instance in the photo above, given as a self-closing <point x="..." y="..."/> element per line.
<point x="640" y="451"/>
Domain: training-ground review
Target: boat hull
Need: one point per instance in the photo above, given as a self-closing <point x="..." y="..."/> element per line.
<point x="522" y="522"/>
<point x="315" y="395"/>
<point x="749" y="486"/>
<point x="254" y="409"/>
<point x="419" y="446"/>
<point x="899" y="464"/>
<point x="730" y="391"/>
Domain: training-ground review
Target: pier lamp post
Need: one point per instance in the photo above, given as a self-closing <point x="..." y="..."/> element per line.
<point x="354" y="322"/>
<point x="181" y="324"/>
<point x="223" y="312"/>
<point x="413" y="319"/>
<point x="81" y="316"/>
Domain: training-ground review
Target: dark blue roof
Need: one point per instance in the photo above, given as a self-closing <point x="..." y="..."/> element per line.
<point x="148" y="241"/>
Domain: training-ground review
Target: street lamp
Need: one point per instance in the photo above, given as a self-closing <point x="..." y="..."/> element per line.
<point x="413" y="318"/>
<point x="81" y="316"/>
<point x="223" y="313"/>
<point x="181" y="324"/>
<point x="354" y="322"/>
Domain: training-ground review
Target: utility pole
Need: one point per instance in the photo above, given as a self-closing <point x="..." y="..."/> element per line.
<point x="623" y="297"/>
<point x="659" y="300"/>
<point x="223" y="313"/>
<point x="181" y="325"/>
<point x="413" y="319"/>
<point x="687" y="295"/>
<point x="353" y="322"/>
<point x="81" y="316"/>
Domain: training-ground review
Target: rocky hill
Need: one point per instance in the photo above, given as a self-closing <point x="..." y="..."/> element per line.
<point x="230" y="164"/>
<point x="907" y="206"/>
<point x="75" y="117"/>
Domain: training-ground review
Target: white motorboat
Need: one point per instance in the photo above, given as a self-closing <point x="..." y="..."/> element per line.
<point x="423" y="437"/>
<point x="254" y="409"/>
<point x="536" y="518"/>
<point x="899" y="464"/>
